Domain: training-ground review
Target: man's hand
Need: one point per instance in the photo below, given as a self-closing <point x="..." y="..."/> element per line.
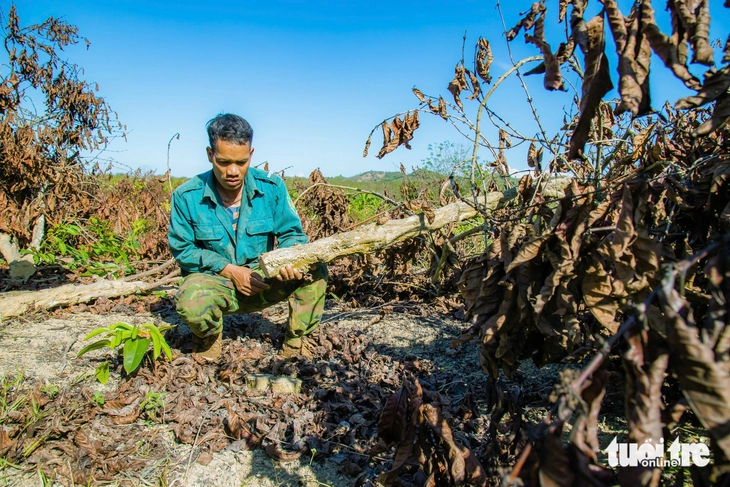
<point x="288" y="273"/>
<point x="246" y="281"/>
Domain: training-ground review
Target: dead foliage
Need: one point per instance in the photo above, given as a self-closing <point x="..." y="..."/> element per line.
<point x="425" y="446"/>
<point x="325" y="209"/>
<point x="41" y="170"/>
<point x="484" y="60"/>
<point x="396" y="133"/>
<point x="635" y="36"/>
<point x="559" y="281"/>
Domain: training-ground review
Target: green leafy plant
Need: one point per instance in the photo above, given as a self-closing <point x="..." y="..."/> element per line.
<point x="364" y="205"/>
<point x="94" y="247"/>
<point x="50" y="390"/>
<point x="153" y="403"/>
<point x="102" y="372"/>
<point x="134" y="340"/>
<point x="98" y="399"/>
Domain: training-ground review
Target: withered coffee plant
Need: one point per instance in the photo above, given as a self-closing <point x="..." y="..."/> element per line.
<point x="50" y="118"/>
<point x="633" y="261"/>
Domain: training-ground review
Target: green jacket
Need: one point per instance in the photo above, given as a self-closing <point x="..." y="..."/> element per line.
<point x="201" y="235"/>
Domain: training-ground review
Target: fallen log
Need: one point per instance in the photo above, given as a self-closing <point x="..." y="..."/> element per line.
<point x="15" y="303"/>
<point x="374" y="237"/>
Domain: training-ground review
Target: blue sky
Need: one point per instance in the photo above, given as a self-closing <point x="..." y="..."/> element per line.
<point x="313" y="78"/>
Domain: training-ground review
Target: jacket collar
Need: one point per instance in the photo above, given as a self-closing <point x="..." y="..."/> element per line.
<point x="209" y="191"/>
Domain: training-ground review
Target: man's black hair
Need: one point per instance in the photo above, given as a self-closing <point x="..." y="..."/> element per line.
<point x="229" y="128"/>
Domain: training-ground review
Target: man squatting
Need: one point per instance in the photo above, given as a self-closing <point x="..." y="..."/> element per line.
<point x="221" y="221"/>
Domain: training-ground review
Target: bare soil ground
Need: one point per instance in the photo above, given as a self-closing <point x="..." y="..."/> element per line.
<point x="211" y="431"/>
<point x="42" y="350"/>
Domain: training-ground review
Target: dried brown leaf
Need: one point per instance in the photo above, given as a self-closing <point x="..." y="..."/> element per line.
<point x="392" y="423"/>
<point x="639" y="142"/>
<point x="598" y="296"/>
<point x="562" y="9"/>
<point x="702" y="51"/>
<point x="460" y="471"/>
<point x="527" y="21"/>
<point x="479" y="284"/>
<point x="682" y="19"/>
<point x="720" y="117"/>
<point x="82" y="441"/>
<point x="5" y="442"/>
<point x="664" y="48"/>
<point x="235" y="427"/>
<point x="534" y="157"/>
<point x="705" y="382"/>
<point x="387" y="138"/>
<point x="553" y="79"/>
<point x="419" y="95"/>
<point x="555" y="469"/>
<point x="529" y="251"/>
<point x="410" y="123"/>
<point x="399" y="132"/>
<point x="690" y="25"/>
<point x="125" y="415"/>
<point x="716" y="88"/>
<point x="717" y="83"/>
<point x="596" y="83"/>
<point x="578" y="28"/>
<point x="564" y="52"/>
<point x="476" y="90"/>
<point x="645" y="364"/>
<point x="274" y="451"/>
<point x="634" y="53"/>
<point x="442" y="109"/>
<point x="592" y="394"/>
<point x="484" y="60"/>
<point x="458" y="84"/>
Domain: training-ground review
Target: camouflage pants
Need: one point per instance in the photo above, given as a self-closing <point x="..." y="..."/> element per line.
<point x="203" y="300"/>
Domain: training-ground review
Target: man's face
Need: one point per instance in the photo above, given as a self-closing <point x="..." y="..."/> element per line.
<point x="230" y="163"/>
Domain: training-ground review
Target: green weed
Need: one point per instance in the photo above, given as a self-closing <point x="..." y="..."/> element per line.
<point x="134" y="340"/>
<point x="50" y="390"/>
<point x="363" y="206"/>
<point x="8" y="385"/>
<point x="153" y="403"/>
<point x="93" y="247"/>
<point x="98" y="399"/>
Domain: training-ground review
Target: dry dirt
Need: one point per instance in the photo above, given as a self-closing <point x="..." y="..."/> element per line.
<point x="399" y="338"/>
<point x="43" y="349"/>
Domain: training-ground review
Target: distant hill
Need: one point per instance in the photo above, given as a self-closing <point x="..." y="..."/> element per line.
<point x="383" y="182"/>
<point x="376" y="176"/>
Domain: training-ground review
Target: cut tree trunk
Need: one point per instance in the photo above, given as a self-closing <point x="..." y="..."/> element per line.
<point x="374" y="237"/>
<point x="22" y="266"/>
<point x="15" y="303"/>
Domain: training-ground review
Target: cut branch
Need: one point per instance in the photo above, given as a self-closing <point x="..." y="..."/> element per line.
<point x="376" y="237"/>
<point x="15" y="303"/>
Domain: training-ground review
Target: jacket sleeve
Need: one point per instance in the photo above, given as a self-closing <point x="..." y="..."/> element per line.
<point x="288" y="226"/>
<point x="181" y="237"/>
